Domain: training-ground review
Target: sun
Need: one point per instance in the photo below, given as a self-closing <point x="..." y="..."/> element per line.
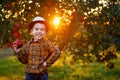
<point x="56" y="21"/>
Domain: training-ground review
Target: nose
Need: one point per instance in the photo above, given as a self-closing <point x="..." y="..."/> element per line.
<point x="39" y="31"/>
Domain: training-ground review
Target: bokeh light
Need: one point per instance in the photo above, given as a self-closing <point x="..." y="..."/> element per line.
<point x="56" y="21"/>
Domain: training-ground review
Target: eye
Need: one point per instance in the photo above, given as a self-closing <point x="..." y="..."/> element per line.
<point x="36" y="28"/>
<point x="42" y="29"/>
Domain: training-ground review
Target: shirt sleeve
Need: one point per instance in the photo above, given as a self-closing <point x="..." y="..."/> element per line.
<point x="55" y="53"/>
<point x="22" y="55"/>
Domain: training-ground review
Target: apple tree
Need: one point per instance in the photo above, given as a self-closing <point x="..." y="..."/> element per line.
<point x="87" y="30"/>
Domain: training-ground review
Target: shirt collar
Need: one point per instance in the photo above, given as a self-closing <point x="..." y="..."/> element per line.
<point x="32" y="40"/>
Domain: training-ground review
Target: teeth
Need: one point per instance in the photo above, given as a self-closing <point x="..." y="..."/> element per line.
<point x="38" y="35"/>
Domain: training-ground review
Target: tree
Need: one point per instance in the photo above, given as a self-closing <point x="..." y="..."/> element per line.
<point x="85" y="29"/>
<point x="100" y="32"/>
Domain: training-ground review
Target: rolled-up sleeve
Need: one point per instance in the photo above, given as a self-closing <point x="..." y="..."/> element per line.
<point x="22" y="55"/>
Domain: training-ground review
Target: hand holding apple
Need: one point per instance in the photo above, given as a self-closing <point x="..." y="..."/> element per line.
<point x="17" y="45"/>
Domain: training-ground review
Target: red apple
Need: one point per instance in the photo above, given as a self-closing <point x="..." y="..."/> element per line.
<point x="16" y="34"/>
<point x="20" y="36"/>
<point x="18" y="43"/>
<point x="8" y="6"/>
<point x="9" y="44"/>
<point x="15" y="28"/>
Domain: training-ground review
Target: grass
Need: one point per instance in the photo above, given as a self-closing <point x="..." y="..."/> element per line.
<point x="12" y="69"/>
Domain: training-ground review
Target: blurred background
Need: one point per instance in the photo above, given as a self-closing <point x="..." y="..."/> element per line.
<point x="86" y="31"/>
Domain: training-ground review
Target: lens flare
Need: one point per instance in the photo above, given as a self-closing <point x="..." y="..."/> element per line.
<point x="56" y="21"/>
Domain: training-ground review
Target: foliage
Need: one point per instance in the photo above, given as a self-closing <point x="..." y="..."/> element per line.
<point x="97" y="29"/>
<point x="85" y="29"/>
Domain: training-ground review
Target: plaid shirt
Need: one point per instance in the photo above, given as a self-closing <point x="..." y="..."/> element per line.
<point x="34" y="54"/>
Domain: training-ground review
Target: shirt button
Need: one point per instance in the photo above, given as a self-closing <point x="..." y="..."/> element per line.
<point x="33" y="59"/>
<point x="33" y="51"/>
<point x="33" y="66"/>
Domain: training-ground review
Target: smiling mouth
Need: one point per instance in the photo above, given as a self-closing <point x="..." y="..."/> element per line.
<point x="38" y="35"/>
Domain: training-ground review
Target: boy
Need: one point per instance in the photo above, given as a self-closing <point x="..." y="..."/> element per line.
<point x="38" y="54"/>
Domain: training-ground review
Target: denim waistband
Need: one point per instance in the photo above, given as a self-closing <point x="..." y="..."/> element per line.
<point x="36" y="73"/>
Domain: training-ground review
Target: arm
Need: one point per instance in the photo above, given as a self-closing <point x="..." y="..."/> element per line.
<point x="55" y="53"/>
<point x="21" y="54"/>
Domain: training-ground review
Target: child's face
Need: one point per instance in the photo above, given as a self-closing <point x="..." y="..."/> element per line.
<point x="38" y="31"/>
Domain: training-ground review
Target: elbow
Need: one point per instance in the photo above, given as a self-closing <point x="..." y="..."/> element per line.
<point x="58" y="52"/>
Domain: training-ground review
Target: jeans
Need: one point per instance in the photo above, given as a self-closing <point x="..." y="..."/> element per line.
<point x="43" y="76"/>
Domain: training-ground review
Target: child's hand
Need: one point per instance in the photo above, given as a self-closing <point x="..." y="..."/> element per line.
<point x="17" y="45"/>
<point x="15" y="48"/>
<point x="44" y="64"/>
